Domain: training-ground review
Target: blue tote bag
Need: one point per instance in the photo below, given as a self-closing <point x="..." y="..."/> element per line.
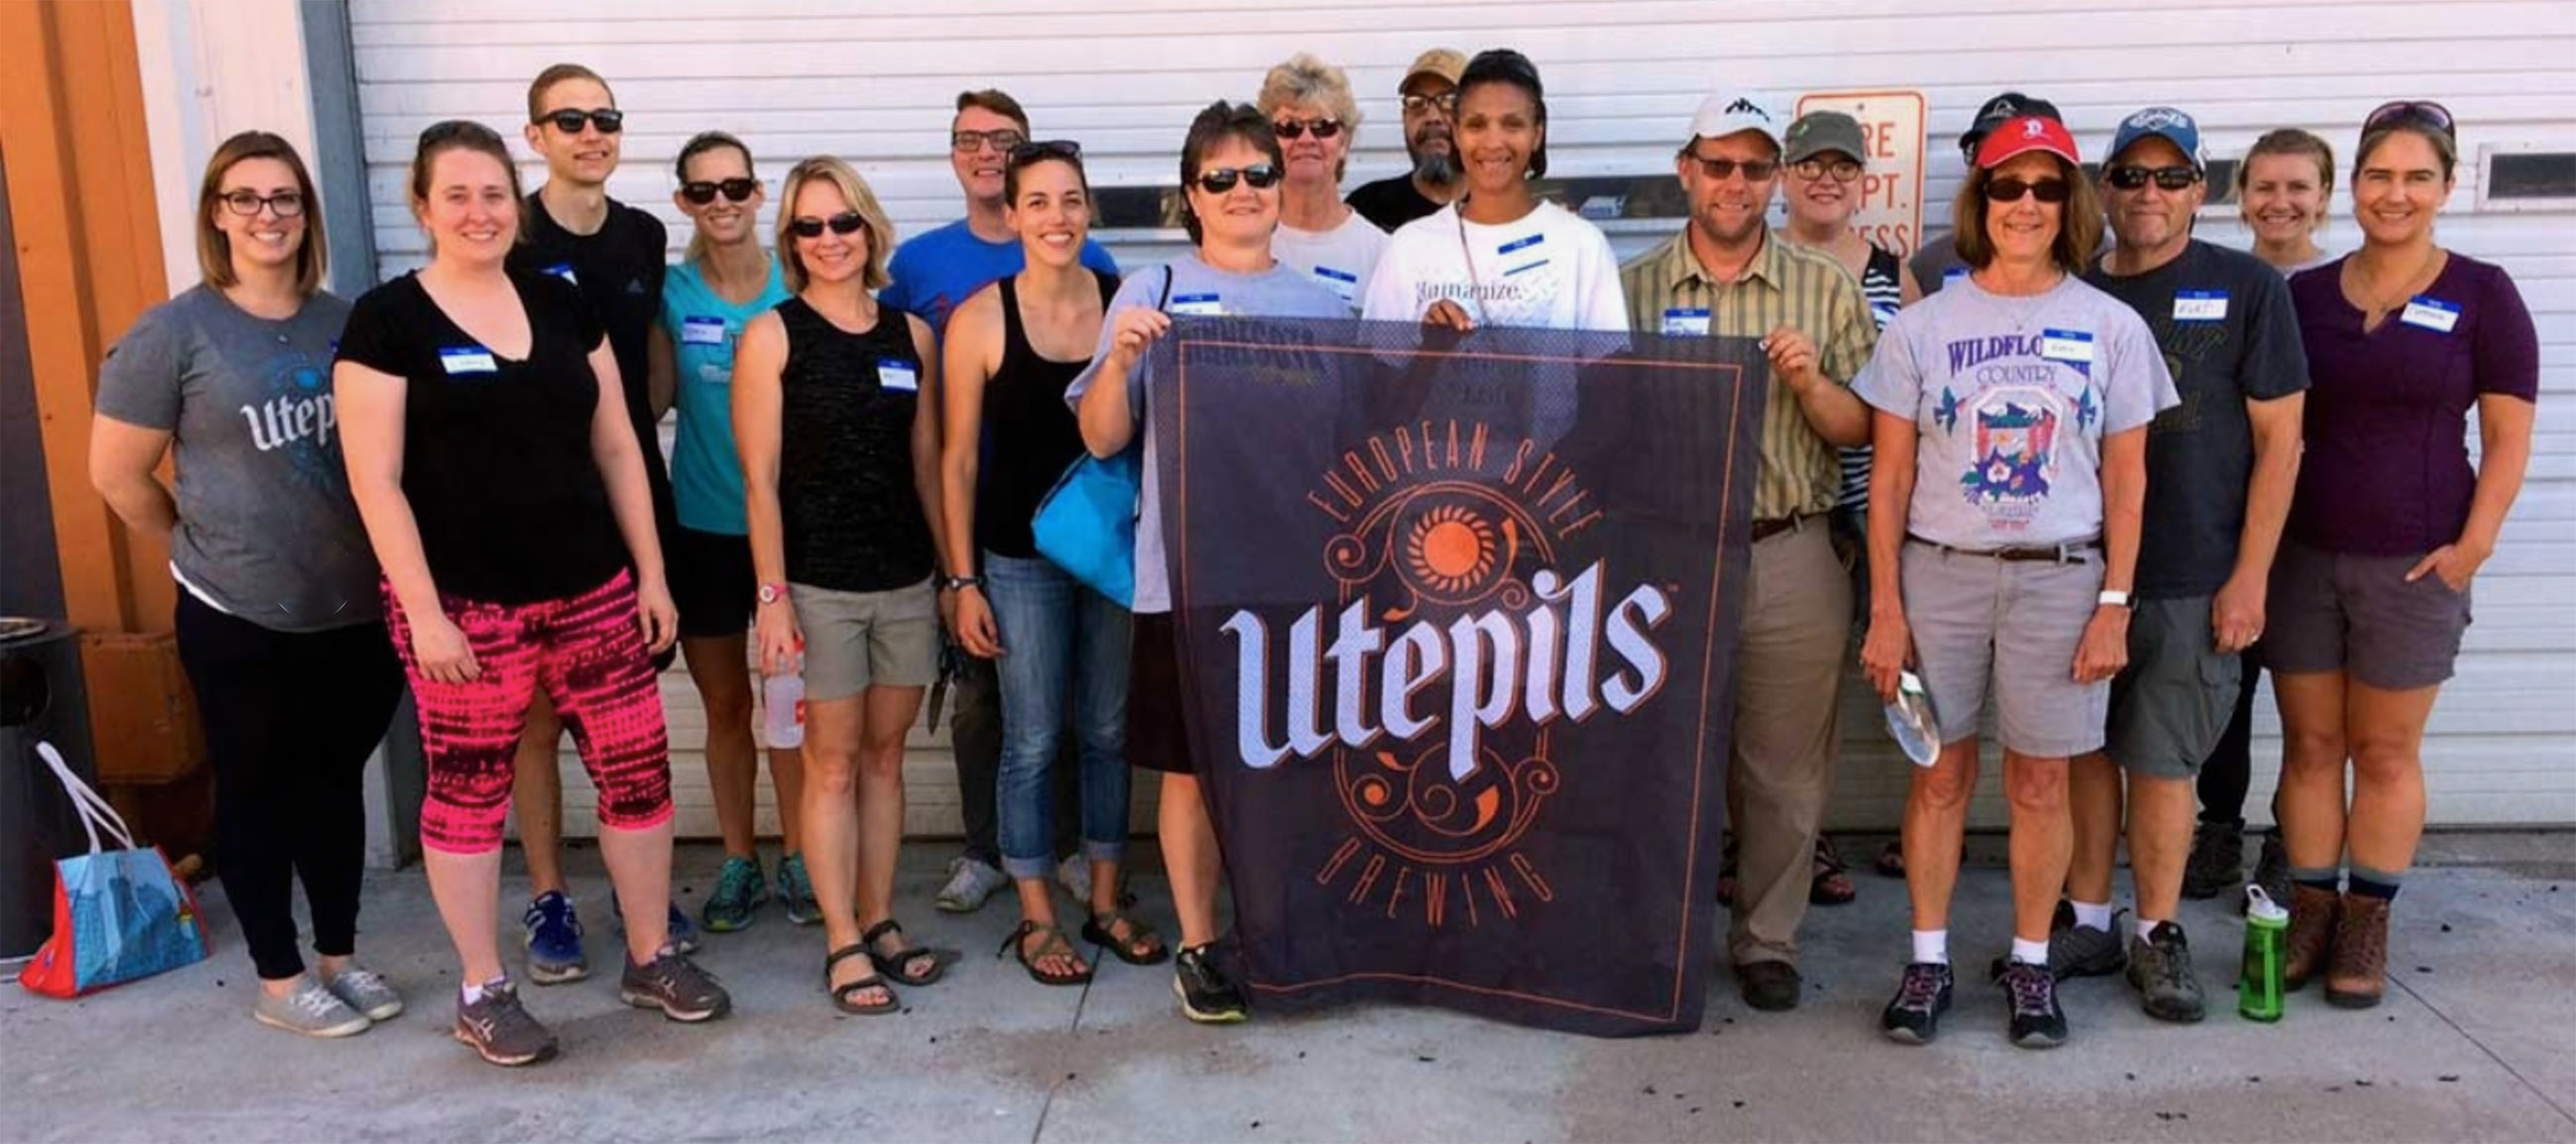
<point x="1087" y="523"/>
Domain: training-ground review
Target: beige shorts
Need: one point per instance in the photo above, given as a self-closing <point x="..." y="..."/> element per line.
<point x="2006" y="630"/>
<point x="858" y="640"/>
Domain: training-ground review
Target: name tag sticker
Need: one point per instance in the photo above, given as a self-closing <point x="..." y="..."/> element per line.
<point x="467" y="359"/>
<point x="1520" y="244"/>
<point x="563" y="270"/>
<point x="1341" y="282"/>
<point x="2200" y="305"/>
<point x="1953" y="274"/>
<point x="702" y="331"/>
<point x="899" y="376"/>
<point x="2429" y="313"/>
<point x="2071" y="346"/>
<point x="1680" y="322"/>
<point x="1198" y="305"/>
<point x="1523" y="268"/>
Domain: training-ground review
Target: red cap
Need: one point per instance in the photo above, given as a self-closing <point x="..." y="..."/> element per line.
<point x="2022" y="136"/>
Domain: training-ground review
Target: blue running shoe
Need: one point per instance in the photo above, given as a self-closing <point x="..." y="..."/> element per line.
<point x="681" y="933"/>
<point x="796" y="891"/>
<point x="554" y="940"/>
<point x="740" y="890"/>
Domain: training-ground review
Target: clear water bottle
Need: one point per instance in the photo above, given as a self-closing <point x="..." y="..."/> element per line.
<point x="2267" y="930"/>
<point x="782" y="704"/>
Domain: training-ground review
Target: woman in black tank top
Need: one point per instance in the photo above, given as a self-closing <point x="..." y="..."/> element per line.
<point x="833" y="413"/>
<point x="1012" y="351"/>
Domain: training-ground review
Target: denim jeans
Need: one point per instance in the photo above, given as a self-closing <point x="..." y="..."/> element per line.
<point x="1061" y="642"/>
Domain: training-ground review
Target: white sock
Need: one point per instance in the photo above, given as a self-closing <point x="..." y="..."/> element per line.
<point x="2031" y="952"/>
<point x="2147" y="929"/>
<point x="2093" y="915"/>
<point x="472" y="992"/>
<point x="1932" y="945"/>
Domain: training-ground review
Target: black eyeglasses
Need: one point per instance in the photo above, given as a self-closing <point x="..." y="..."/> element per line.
<point x="1445" y="103"/>
<point x="846" y="222"/>
<point x="2422" y="111"/>
<point x="608" y="120"/>
<point x="2130" y="177"/>
<point x="1755" y="170"/>
<point x="1027" y="153"/>
<point x="1840" y="170"/>
<point x="2010" y="190"/>
<point x="1262" y="176"/>
<point x="969" y="142"/>
<point x="1297" y="128"/>
<point x="702" y="192"/>
<point x="246" y="202"/>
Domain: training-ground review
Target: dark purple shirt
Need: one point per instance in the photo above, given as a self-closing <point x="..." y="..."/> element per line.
<point x="2387" y="465"/>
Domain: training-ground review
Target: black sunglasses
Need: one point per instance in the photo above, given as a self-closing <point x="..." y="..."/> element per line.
<point x="1755" y="170"/>
<point x="246" y="202"/>
<point x="846" y="222"/>
<point x="969" y="142"/>
<point x="2010" y="190"/>
<point x="1297" y="128"/>
<point x="1033" y="152"/>
<point x="2130" y="177"/>
<point x="2422" y="111"/>
<point x="702" y="192"/>
<point x="609" y="120"/>
<point x="1262" y="176"/>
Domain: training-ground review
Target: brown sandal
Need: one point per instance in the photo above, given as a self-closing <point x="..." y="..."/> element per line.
<point x="842" y="994"/>
<point x="1832" y="885"/>
<point x="1055" y="943"/>
<point x="2358" y="975"/>
<point x="2312" y="934"/>
<point x="1142" y="946"/>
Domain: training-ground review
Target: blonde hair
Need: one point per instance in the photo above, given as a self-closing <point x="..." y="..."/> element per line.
<point x="215" y="249"/>
<point x="1305" y="79"/>
<point x="831" y="169"/>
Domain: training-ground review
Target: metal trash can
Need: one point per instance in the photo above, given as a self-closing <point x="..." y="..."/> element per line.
<point x="41" y="701"/>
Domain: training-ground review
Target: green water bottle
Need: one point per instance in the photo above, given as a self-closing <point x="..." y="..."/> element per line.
<point x="2267" y="931"/>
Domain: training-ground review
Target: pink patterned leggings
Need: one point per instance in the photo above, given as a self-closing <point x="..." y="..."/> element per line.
<point x="588" y="652"/>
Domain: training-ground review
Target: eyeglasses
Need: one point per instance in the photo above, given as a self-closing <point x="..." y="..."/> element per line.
<point x="702" y="192"/>
<point x="1755" y="170"/>
<point x="1840" y="170"/>
<point x="2130" y="177"/>
<point x="2422" y="111"/>
<point x="846" y="222"/>
<point x="1445" y="103"/>
<point x="1297" y="128"/>
<point x="608" y="120"/>
<point x="969" y="142"/>
<point x="1262" y="176"/>
<point x="246" y="202"/>
<point x="2010" y="190"/>
<point x="1027" y="153"/>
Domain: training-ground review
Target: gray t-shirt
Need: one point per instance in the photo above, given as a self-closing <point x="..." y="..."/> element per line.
<point x="2229" y="335"/>
<point x="1197" y="289"/>
<point x="2013" y="396"/>
<point x="266" y="530"/>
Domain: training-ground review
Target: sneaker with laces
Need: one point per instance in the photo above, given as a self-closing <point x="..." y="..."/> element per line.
<point x="2217" y="861"/>
<point x="796" y="891"/>
<point x="363" y="990"/>
<point x="740" y="890"/>
<point x="554" y="941"/>
<point x="1074" y="874"/>
<point x="1922" y="996"/>
<point x="2271" y="871"/>
<point x="309" y="1009"/>
<point x="2077" y="951"/>
<point x="970" y="882"/>
<point x="500" y="1030"/>
<point x="2037" y="1022"/>
<point x="2160" y="970"/>
<point x="675" y="985"/>
<point x="1207" y="995"/>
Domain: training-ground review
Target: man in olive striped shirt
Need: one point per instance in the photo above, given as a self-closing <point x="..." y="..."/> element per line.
<point x="1725" y="276"/>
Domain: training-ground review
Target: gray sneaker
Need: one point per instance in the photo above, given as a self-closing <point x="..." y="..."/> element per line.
<point x="970" y="882"/>
<point x="366" y="992"/>
<point x="309" y="1009"/>
<point x="2160" y="970"/>
<point x="2077" y="951"/>
<point x="676" y="986"/>
<point x="500" y="1030"/>
<point x="1074" y="874"/>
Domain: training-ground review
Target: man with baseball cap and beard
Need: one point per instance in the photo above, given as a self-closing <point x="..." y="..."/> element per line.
<point x="1726" y="275"/>
<point x="1430" y="86"/>
<point x="1937" y="261"/>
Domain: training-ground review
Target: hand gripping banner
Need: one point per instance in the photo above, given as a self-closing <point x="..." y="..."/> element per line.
<point x="1457" y="623"/>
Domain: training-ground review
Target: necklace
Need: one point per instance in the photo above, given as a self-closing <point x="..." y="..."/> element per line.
<point x="2376" y="305"/>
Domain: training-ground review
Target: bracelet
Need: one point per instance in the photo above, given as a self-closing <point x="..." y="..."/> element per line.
<point x="959" y="583"/>
<point x="2112" y="598"/>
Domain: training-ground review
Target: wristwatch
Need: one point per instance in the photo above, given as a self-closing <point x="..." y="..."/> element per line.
<point x="959" y="583"/>
<point x="2113" y="598"/>
<point x="772" y="593"/>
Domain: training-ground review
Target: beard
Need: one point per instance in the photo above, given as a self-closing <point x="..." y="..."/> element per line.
<point x="1438" y="168"/>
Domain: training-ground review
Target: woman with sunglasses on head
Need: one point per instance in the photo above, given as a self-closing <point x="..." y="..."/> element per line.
<point x="2283" y="189"/>
<point x="279" y="625"/>
<point x="725" y="281"/>
<point x="2390" y="524"/>
<point x="1313" y="113"/>
<point x="2004" y="514"/>
<point x="840" y="463"/>
<point x="503" y="487"/>
<point x="1011" y="351"/>
<point x="1230" y="166"/>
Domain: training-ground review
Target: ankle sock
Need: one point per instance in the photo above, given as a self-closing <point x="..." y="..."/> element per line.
<point x="471" y="992"/>
<point x="2147" y="929"/>
<point x="1932" y="945"/>
<point x="2326" y="878"/>
<point x="2030" y="952"/>
<point x="2369" y="883"/>
<point x="2093" y="915"/>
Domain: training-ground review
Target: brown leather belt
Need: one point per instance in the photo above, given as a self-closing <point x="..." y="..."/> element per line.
<point x="2069" y="553"/>
<point x="1766" y="529"/>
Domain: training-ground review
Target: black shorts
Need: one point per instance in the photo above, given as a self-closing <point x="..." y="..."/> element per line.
<point x="1157" y="738"/>
<point x="712" y="583"/>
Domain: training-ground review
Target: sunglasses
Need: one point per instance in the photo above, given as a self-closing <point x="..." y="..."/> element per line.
<point x="1840" y="170"/>
<point x="1027" y="153"/>
<point x="2417" y="110"/>
<point x="2130" y="177"/>
<point x="1755" y="170"/>
<point x="846" y="222"/>
<point x="1297" y="128"/>
<point x="1262" y="176"/>
<point x="246" y="202"/>
<point x="2010" y="190"/>
<point x="1445" y="103"/>
<point x="969" y="142"/>
<point x="702" y="192"/>
<point x="608" y="120"/>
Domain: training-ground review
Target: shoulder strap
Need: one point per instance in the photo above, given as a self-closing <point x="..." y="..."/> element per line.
<point x="1164" y="299"/>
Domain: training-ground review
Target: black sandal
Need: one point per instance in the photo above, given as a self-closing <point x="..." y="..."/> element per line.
<point x="1102" y="929"/>
<point x="1055" y="943"/>
<point x="893" y="964"/>
<point x="841" y="994"/>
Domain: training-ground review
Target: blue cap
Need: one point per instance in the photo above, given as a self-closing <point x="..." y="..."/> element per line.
<point x="2165" y="123"/>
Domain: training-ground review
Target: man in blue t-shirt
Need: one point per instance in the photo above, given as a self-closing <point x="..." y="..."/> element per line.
<point x="932" y="273"/>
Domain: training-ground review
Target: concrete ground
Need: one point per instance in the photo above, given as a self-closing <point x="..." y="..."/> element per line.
<point x="2477" y="1041"/>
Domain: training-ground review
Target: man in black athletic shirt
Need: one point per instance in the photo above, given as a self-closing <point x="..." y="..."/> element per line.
<point x="1436" y="178"/>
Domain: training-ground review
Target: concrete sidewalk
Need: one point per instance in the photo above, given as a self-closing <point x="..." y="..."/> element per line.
<point x="2477" y="1041"/>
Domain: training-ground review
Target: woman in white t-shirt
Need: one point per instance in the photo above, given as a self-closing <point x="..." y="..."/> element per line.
<point x="1311" y="110"/>
<point x="1499" y="256"/>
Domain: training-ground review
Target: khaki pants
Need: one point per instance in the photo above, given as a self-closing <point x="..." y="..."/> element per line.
<point x="1797" y="624"/>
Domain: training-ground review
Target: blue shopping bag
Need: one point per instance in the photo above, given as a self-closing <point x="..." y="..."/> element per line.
<point x="119" y="914"/>
<point x="1087" y="523"/>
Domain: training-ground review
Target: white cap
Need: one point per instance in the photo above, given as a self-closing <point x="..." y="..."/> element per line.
<point x="1726" y="114"/>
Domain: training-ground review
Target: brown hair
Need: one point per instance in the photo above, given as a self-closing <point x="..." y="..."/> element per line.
<point x="1214" y="124"/>
<point x="2289" y="141"/>
<point x="459" y="135"/>
<point x="700" y="144"/>
<point x="2445" y="148"/>
<point x="2079" y="221"/>
<point x="995" y="101"/>
<point x="215" y="249"/>
<point x="547" y="79"/>
<point x="832" y="169"/>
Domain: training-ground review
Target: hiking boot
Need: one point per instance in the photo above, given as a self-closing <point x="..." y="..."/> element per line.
<point x="740" y="890"/>
<point x="554" y="943"/>
<point x="2271" y="871"/>
<point x="500" y="1030"/>
<point x="1207" y="995"/>
<point x="2358" y="973"/>
<point x="309" y="1009"/>
<point x="676" y="986"/>
<point x="2217" y="862"/>
<point x="2312" y="934"/>
<point x="1914" y="1016"/>
<point x="2076" y="951"/>
<point x="970" y="882"/>
<point x="1771" y="986"/>
<point x="364" y="991"/>
<point x="2037" y="1022"/>
<point x="796" y="891"/>
<point x="2160" y="970"/>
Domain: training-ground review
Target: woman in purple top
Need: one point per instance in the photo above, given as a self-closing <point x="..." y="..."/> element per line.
<point x="2391" y="521"/>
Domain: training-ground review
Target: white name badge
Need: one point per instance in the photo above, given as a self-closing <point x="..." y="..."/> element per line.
<point x="563" y="270"/>
<point x="1952" y="275"/>
<point x="2072" y="346"/>
<point x="1197" y="305"/>
<point x="1680" y="322"/>
<point x="898" y="376"/>
<point x="472" y="359"/>
<point x="2200" y="305"/>
<point x="1341" y="282"/>
<point x="702" y="331"/>
<point x="2430" y="313"/>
